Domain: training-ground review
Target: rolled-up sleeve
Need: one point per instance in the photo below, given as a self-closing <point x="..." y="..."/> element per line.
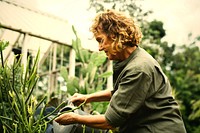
<point x="128" y="98"/>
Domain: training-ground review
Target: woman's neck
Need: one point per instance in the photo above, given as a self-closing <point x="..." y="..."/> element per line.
<point x="127" y="52"/>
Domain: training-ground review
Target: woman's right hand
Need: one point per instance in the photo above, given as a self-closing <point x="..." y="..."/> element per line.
<point x="77" y="99"/>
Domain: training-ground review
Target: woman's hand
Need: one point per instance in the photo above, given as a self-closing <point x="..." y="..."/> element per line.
<point x="77" y="99"/>
<point x="67" y="118"/>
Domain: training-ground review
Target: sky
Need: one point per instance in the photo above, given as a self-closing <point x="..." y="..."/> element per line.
<point x="180" y="17"/>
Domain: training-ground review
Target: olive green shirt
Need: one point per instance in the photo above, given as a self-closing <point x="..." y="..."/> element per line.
<point x="142" y="100"/>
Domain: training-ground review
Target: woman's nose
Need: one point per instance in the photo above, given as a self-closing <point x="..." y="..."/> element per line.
<point x="100" y="47"/>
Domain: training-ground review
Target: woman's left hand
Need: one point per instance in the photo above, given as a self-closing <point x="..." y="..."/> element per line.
<point x="67" y="118"/>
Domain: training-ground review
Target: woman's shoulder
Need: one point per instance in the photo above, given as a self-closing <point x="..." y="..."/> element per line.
<point x="142" y="62"/>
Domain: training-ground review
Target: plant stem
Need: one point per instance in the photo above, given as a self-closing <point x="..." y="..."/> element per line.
<point x="63" y="103"/>
<point x="31" y="91"/>
<point x="66" y="111"/>
<point x="38" y="121"/>
<point x="6" y="118"/>
<point x="2" y="59"/>
<point x="6" y="126"/>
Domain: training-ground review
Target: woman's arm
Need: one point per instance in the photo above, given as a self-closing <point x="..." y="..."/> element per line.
<point x="95" y="121"/>
<point x="100" y="96"/>
<point x="104" y="95"/>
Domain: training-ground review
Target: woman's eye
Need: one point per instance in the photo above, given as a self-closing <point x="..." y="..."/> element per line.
<point x="100" y="41"/>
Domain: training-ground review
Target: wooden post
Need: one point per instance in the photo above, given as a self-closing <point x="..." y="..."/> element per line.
<point x="25" y="50"/>
<point x="72" y="62"/>
<point x="52" y="76"/>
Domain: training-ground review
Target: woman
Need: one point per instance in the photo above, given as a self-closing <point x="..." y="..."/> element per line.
<point x="141" y="101"/>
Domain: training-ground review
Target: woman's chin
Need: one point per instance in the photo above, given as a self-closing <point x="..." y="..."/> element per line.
<point x="110" y="58"/>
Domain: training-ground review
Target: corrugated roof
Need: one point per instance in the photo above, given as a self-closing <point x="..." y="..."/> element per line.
<point x="17" y="15"/>
<point x="36" y="22"/>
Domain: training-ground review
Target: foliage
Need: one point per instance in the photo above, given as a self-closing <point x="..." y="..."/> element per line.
<point x="185" y="78"/>
<point x="90" y="77"/>
<point x="47" y="72"/>
<point x="128" y="6"/>
<point x="17" y="104"/>
<point x="20" y="110"/>
<point x="153" y="32"/>
<point x="196" y="110"/>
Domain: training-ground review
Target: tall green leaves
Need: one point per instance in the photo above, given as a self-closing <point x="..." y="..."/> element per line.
<point x="17" y="102"/>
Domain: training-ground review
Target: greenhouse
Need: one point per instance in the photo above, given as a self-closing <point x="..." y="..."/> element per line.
<point x="30" y="30"/>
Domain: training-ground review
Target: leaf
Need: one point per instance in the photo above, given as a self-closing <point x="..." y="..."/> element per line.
<point x="92" y="74"/>
<point x="74" y="31"/>
<point x="73" y="85"/>
<point x="105" y="75"/>
<point x="3" y="45"/>
<point x="64" y="73"/>
<point x="98" y="58"/>
<point x="85" y="55"/>
<point x="76" y="45"/>
<point x="198" y="38"/>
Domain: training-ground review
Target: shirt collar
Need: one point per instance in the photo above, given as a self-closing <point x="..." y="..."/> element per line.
<point x="121" y="64"/>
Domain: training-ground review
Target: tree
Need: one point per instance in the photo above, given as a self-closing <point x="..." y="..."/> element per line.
<point x="185" y="78"/>
<point x="181" y="64"/>
<point x="129" y="6"/>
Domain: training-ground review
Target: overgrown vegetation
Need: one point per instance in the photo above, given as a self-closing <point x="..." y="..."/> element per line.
<point x="17" y="104"/>
<point x="20" y="109"/>
<point x="90" y="75"/>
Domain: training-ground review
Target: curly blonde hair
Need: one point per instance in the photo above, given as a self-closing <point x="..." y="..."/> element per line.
<point x="120" y="28"/>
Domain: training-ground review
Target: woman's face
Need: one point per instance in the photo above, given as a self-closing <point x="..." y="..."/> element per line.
<point x="105" y="44"/>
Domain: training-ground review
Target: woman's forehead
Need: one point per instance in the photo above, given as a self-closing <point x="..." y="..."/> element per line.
<point x="99" y="35"/>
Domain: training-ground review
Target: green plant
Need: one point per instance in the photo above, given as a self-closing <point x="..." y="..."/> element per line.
<point x="90" y="76"/>
<point x="18" y="105"/>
